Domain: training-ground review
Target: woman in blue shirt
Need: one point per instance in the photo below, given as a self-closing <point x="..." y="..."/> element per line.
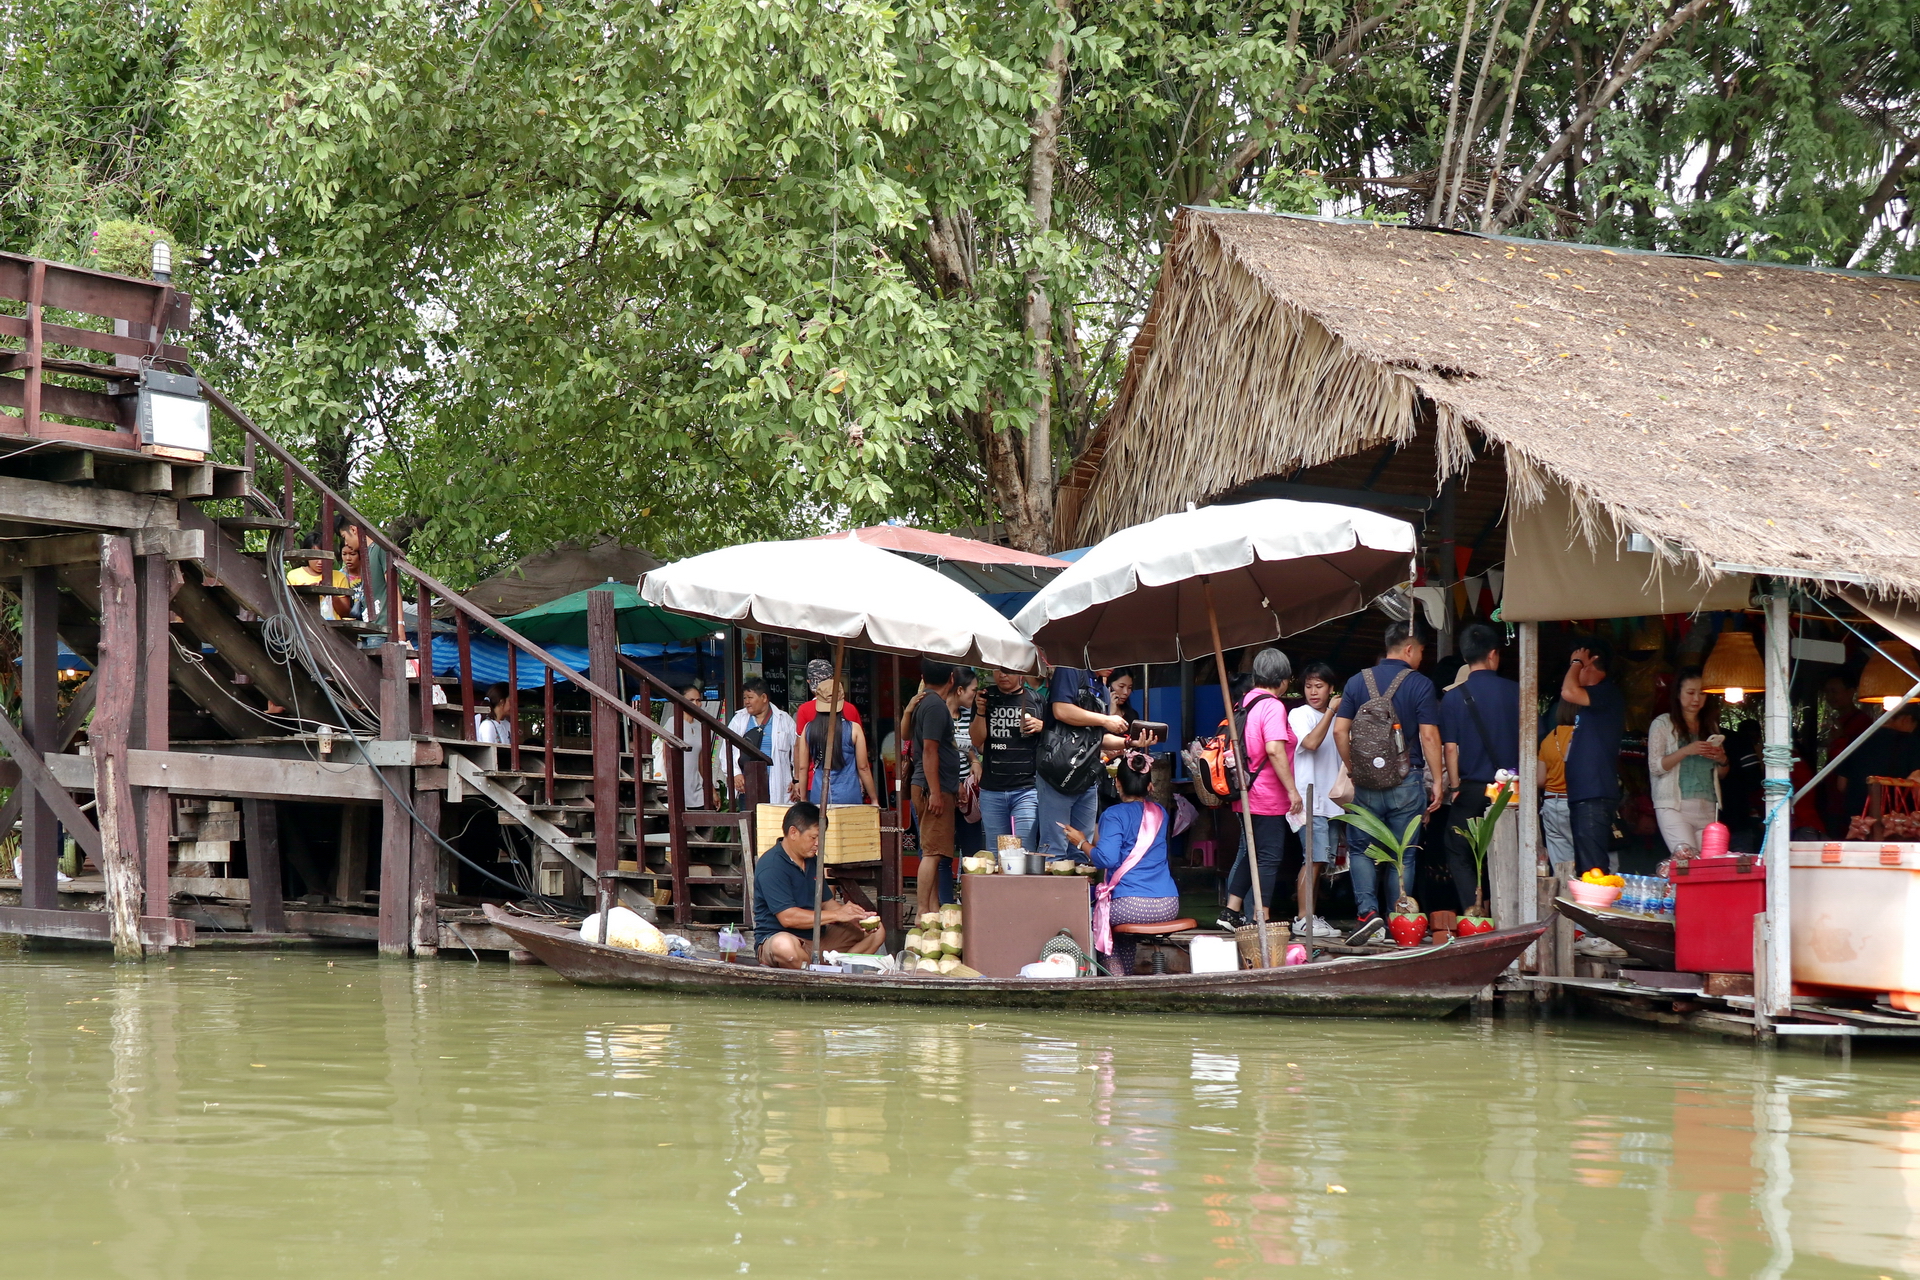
<point x="1132" y="849"/>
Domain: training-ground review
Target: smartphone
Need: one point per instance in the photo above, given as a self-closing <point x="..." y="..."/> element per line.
<point x="1718" y="739"/>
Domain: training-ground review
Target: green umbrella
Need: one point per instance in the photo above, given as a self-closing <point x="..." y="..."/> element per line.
<point x="564" y="621"/>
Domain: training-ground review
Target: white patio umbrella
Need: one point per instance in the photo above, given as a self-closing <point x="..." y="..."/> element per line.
<point x="843" y="591"/>
<point x="1199" y="580"/>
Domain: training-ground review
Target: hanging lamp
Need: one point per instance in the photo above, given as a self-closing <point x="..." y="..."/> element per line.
<point x="1882" y="681"/>
<point x="1733" y="669"/>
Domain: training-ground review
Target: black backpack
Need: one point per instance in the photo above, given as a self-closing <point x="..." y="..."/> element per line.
<point x="1069" y="754"/>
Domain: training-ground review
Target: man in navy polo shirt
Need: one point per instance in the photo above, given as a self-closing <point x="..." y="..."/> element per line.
<point x="1415" y="708"/>
<point x="1480" y="723"/>
<point x="783" y="900"/>
<point x="1593" y="754"/>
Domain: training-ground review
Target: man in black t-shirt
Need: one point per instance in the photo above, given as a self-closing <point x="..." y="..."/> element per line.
<point x="1006" y="725"/>
<point x="936" y="788"/>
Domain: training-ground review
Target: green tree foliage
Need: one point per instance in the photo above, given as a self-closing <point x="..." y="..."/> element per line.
<point x="732" y="268"/>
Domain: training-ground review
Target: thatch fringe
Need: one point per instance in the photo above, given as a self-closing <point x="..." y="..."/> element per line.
<point x="1747" y="416"/>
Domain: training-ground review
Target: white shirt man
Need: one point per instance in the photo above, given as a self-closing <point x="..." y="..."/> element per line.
<point x="777" y="738"/>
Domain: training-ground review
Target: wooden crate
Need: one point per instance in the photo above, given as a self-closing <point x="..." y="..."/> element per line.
<point x="853" y="831"/>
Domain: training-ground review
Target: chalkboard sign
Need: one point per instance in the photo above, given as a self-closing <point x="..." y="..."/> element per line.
<point x="773" y="669"/>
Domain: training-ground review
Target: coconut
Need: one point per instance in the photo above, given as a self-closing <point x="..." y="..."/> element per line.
<point x="950" y="941"/>
<point x="948" y="965"/>
<point x="950" y="916"/>
<point x="927" y="966"/>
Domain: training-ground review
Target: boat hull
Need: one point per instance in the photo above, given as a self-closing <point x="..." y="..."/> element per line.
<point x="1648" y="940"/>
<point x="1421" y="982"/>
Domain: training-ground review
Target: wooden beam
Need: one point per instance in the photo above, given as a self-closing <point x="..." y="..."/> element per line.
<point x="350" y="873"/>
<point x="67" y="466"/>
<point x="396" y="820"/>
<point x="266" y="896"/>
<point x="426" y="872"/>
<point x="208" y="619"/>
<point x="190" y="481"/>
<point x="39" y="721"/>
<point x="152" y="731"/>
<point x="473" y="777"/>
<point x="150" y="475"/>
<point x="36" y="772"/>
<point x="117" y="672"/>
<point x="40" y="502"/>
<point x="242" y="577"/>
<point x="90" y="926"/>
<point x="75" y="719"/>
<point x="195" y="773"/>
<point x="84" y="548"/>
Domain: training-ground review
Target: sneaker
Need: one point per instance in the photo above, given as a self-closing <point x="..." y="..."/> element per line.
<point x="1318" y="929"/>
<point x="1372" y="924"/>
<point x="1598" y="949"/>
<point x="1231" y="919"/>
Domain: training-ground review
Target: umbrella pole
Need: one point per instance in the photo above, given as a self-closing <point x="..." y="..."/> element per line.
<point x="1240" y="767"/>
<point x="1313" y="874"/>
<point x="824" y="765"/>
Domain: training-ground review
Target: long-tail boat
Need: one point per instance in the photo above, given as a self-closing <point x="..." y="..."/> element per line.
<point x="1430" y="981"/>
<point x="1646" y="938"/>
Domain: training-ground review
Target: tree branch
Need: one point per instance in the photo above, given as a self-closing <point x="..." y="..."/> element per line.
<point x="1578" y="125"/>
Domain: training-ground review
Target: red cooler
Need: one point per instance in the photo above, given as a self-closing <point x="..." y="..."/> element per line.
<point x="1714" y="902"/>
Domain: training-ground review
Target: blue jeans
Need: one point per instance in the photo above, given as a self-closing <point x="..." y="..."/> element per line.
<point x="1051" y="808"/>
<point x="1007" y="813"/>
<point x="1377" y="882"/>
<point x="1592" y="832"/>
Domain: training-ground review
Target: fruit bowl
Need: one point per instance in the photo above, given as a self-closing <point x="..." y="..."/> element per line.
<point x="1593" y="895"/>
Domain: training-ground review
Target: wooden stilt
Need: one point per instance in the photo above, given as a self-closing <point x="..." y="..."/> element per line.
<point x="603" y="656"/>
<point x="396" y="830"/>
<point x="117" y="672"/>
<point x="426" y="872"/>
<point x="266" y="891"/>
<point x="676" y="820"/>
<point x="424" y="651"/>
<point x="350" y="875"/>
<point x="39" y="715"/>
<point x="155" y="577"/>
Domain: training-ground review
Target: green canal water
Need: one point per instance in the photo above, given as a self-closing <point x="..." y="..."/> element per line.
<point x="215" y="1116"/>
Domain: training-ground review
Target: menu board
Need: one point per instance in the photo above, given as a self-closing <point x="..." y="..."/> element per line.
<point x="773" y="669"/>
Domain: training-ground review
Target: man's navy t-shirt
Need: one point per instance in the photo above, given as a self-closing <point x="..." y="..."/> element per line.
<point x="1593" y="757"/>
<point x="1497" y="699"/>
<point x="779" y="885"/>
<point x="1414" y="704"/>
<point x="1067" y="685"/>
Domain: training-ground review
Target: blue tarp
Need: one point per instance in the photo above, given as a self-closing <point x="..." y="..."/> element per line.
<point x="490" y="660"/>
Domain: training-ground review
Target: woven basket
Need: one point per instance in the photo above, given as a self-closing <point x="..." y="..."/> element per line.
<point x="1248" y="938"/>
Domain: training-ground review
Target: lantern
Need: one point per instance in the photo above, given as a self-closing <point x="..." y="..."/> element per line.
<point x="1733" y="669"/>
<point x="1883" y="681"/>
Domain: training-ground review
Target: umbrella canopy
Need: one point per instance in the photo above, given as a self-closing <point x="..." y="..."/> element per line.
<point x="564" y="621"/>
<point x="560" y="570"/>
<point x="840" y="589"/>
<point x="980" y="567"/>
<point x="1276" y="568"/>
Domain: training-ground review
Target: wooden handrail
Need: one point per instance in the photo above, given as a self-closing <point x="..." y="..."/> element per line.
<point x="713" y="723"/>
<point x="398" y="559"/>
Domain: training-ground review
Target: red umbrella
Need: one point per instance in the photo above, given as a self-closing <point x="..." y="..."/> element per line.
<point x="981" y="567"/>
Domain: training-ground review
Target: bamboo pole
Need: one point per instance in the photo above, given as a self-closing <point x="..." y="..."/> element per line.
<point x="824" y="765"/>
<point x="1774" y="989"/>
<point x="1240" y="767"/>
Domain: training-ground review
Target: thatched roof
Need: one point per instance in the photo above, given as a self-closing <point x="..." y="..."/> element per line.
<point x="1759" y="416"/>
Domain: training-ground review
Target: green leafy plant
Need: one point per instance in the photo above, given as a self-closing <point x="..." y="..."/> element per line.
<point x="1384" y="846"/>
<point x="1479" y="834"/>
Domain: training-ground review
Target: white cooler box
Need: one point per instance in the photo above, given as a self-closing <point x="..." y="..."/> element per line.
<point x="1856" y="917"/>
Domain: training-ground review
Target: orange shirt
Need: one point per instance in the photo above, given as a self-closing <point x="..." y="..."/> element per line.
<point x="1553" y="761"/>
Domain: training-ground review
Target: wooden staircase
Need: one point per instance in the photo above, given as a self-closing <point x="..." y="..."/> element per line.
<point x="216" y="681"/>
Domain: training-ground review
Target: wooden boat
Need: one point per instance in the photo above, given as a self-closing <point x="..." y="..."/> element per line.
<point x="1643" y="937"/>
<point x="1419" y="982"/>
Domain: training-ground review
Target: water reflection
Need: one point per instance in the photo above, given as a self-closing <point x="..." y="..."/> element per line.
<point x="284" y="1116"/>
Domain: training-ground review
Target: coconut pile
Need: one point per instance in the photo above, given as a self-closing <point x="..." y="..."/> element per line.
<point x="934" y="945"/>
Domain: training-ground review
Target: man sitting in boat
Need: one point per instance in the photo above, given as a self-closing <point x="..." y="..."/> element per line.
<point x="783" y="900"/>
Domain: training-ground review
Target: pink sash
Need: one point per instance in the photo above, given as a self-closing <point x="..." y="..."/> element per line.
<point x="1150" y="824"/>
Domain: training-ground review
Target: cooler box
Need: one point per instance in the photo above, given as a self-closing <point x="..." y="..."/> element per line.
<point x="1856" y="916"/>
<point x="1714" y="902"/>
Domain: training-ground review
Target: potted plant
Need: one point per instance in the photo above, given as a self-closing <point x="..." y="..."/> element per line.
<point x="1479" y="835"/>
<point x="1405" y="924"/>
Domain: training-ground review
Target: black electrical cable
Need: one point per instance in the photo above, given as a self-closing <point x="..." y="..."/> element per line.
<point x="554" y="905"/>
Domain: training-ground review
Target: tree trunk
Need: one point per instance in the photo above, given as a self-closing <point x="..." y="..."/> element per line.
<point x="1037" y="315"/>
<point x="1453" y="116"/>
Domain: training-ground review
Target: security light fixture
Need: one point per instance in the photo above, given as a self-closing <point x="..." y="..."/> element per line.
<point x="171" y="413"/>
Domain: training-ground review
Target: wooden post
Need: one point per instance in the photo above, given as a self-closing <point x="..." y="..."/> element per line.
<point x="752" y="797"/>
<point x="350" y="875"/>
<point x="1527" y="794"/>
<point x="1313" y="876"/>
<point x="1246" y="787"/>
<point x="31" y="352"/>
<point x="156" y="652"/>
<point x="426" y="872"/>
<point x="396" y="825"/>
<point x="117" y="671"/>
<point x="603" y="656"/>
<point x="551" y="734"/>
<point x="513" y="709"/>
<point x="1774" y="988"/>
<point x="266" y="895"/>
<point x="463" y="642"/>
<point x="424" y="606"/>
<point x="891" y="878"/>
<point x="676" y="818"/>
<point x="40" y="725"/>
<point x="824" y="767"/>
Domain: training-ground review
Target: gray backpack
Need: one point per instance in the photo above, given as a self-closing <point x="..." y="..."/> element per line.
<point x="1376" y="745"/>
